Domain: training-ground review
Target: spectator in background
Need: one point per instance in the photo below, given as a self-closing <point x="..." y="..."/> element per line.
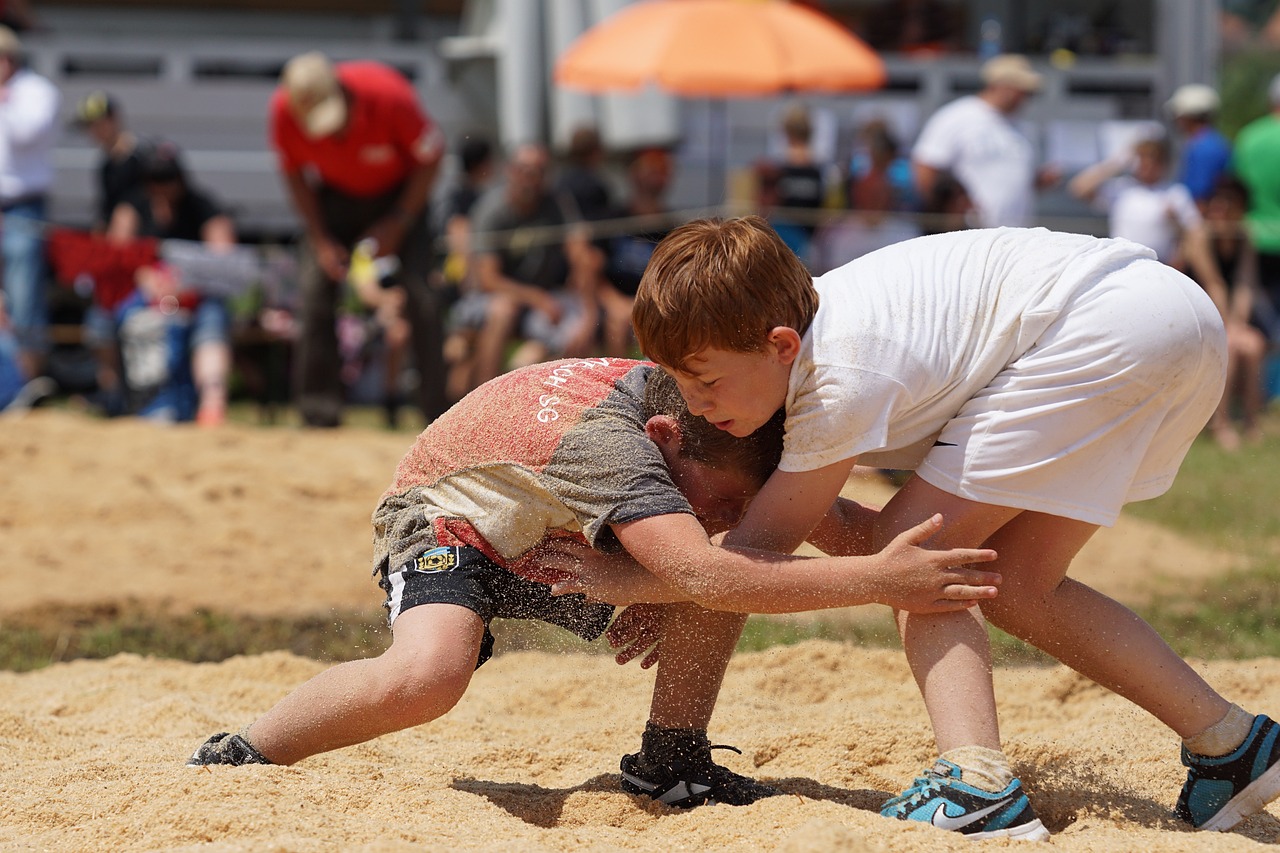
<point x="880" y="176"/>
<point x="975" y="138"/>
<point x="120" y="165"/>
<point x="18" y="390"/>
<point x="1237" y="260"/>
<point x="948" y="207"/>
<point x="921" y="28"/>
<point x="478" y="167"/>
<point x="1206" y="153"/>
<point x="119" y="177"/>
<point x="28" y="130"/>
<point x="618" y="260"/>
<point x="359" y="157"/>
<point x="190" y="378"/>
<point x="580" y="181"/>
<point x="1257" y="163"/>
<point x="1144" y="206"/>
<point x="797" y="182"/>
<point x="527" y="289"/>
<point x="880" y="194"/>
<point x="17" y="15"/>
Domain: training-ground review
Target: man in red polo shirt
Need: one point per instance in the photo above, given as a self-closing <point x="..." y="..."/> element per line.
<point x="359" y="156"/>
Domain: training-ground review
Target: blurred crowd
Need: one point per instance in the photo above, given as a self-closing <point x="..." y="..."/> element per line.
<point x="426" y="266"/>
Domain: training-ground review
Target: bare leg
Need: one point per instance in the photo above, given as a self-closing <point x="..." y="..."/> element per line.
<point x="210" y="367"/>
<point x="499" y="327"/>
<point x="694" y="653"/>
<point x="1089" y="632"/>
<point x="419" y="678"/>
<point x="1084" y="629"/>
<point x="949" y="654"/>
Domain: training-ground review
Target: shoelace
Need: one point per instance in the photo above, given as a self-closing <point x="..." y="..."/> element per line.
<point x="921" y="789"/>
<point x="710" y="766"/>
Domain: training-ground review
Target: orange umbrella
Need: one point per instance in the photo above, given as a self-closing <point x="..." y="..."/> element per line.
<point x="717" y="48"/>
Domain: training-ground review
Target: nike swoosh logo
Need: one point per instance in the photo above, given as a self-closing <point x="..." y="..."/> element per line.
<point x="941" y="820"/>
<point x="943" y="444"/>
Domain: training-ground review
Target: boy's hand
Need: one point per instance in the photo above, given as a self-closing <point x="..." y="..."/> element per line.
<point x="635" y="632"/>
<point x="924" y="581"/>
<point x="612" y="578"/>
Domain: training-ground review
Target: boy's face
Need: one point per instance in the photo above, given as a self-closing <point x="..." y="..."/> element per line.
<point x="1149" y="168"/>
<point x="719" y="497"/>
<point x="739" y="391"/>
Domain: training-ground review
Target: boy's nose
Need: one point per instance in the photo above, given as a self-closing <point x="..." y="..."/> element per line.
<point x="697" y="404"/>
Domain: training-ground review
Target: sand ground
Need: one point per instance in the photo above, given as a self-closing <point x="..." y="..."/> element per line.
<point x="267" y="522"/>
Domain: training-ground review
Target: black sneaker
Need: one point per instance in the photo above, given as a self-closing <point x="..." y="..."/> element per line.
<point x="1222" y="791"/>
<point x="226" y="748"/>
<point x="695" y="781"/>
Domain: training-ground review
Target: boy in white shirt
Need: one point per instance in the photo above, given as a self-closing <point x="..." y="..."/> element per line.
<point x="1035" y="382"/>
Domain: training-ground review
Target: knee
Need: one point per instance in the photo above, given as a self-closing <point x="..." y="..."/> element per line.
<point x="416" y="692"/>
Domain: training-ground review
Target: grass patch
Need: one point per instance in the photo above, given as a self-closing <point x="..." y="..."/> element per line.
<point x="37" y="638"/>
<point x="1222" y="500"/>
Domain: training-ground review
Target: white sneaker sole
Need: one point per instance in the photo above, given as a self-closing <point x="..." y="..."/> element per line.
<point x="1250" y="801"/>
<point x="1033" y="831"/>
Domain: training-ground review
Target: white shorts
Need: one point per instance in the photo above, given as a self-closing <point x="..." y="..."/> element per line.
<point x="1101" y="410"/>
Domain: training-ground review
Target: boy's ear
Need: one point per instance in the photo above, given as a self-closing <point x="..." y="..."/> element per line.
<point x="786" y="343"/>
<point x="664" y="431"/>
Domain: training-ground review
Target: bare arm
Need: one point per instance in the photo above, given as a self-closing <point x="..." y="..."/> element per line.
<point x="1199" y="255"/>
<point x="489" y="278"/>
<point x="389" y="231"/>
<point x="846" y="530"/>
<point x="1246" y="284"/>
<point x="925" y="177"/>
<point x="330" y="255"/>
<point x="676" y="550"/>
<point x="1086" y="184"/>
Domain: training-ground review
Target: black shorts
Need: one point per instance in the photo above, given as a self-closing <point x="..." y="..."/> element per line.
<point x="466" y="577"/>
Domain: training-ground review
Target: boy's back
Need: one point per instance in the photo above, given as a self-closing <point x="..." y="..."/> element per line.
<point x="553" y="449"/>
<point x="905" y="335"/>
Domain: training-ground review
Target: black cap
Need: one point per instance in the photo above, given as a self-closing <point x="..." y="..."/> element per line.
<point x="161" y="162"/>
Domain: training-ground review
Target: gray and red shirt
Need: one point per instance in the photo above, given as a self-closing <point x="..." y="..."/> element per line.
<point x="552" y="450"/>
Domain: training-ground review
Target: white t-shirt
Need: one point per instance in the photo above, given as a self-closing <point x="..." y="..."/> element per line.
<point x="906" y="335"/>
<point x="28" y="131"/>
<point x="1153" y="215"/>
<point x="988" y="155"/>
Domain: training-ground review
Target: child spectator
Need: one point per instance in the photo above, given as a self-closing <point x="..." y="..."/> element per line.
<point x="176" y="343"/>
<point x="617" y="259"/>
<point x="1144" y="206"/>
<point x="1035" y="382"/>
<point x="1235" y="256"/>
<point x="600" y="452"/>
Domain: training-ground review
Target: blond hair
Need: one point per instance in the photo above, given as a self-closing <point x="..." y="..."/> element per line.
<point x="720" y="282"/>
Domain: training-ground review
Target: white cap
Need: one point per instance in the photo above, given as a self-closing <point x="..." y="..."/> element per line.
<point x="1011" y="69"/>
<point x="314" y="94"/>
<point x="1194" y="99"/>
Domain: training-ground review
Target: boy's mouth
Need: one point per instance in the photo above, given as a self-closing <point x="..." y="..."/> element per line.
<point x="724" y="425"/>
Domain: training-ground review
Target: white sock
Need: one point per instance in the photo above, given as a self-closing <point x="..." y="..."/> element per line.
<point x="1223" y="736"/>
<point x="981" y="767"/>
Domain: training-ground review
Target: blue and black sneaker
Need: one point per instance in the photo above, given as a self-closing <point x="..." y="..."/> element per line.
<point x="1221" y="791"/>
<point x="941" y="799"/>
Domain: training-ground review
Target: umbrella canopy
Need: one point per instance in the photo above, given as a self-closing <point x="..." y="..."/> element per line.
<point x="719" y="48"/>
